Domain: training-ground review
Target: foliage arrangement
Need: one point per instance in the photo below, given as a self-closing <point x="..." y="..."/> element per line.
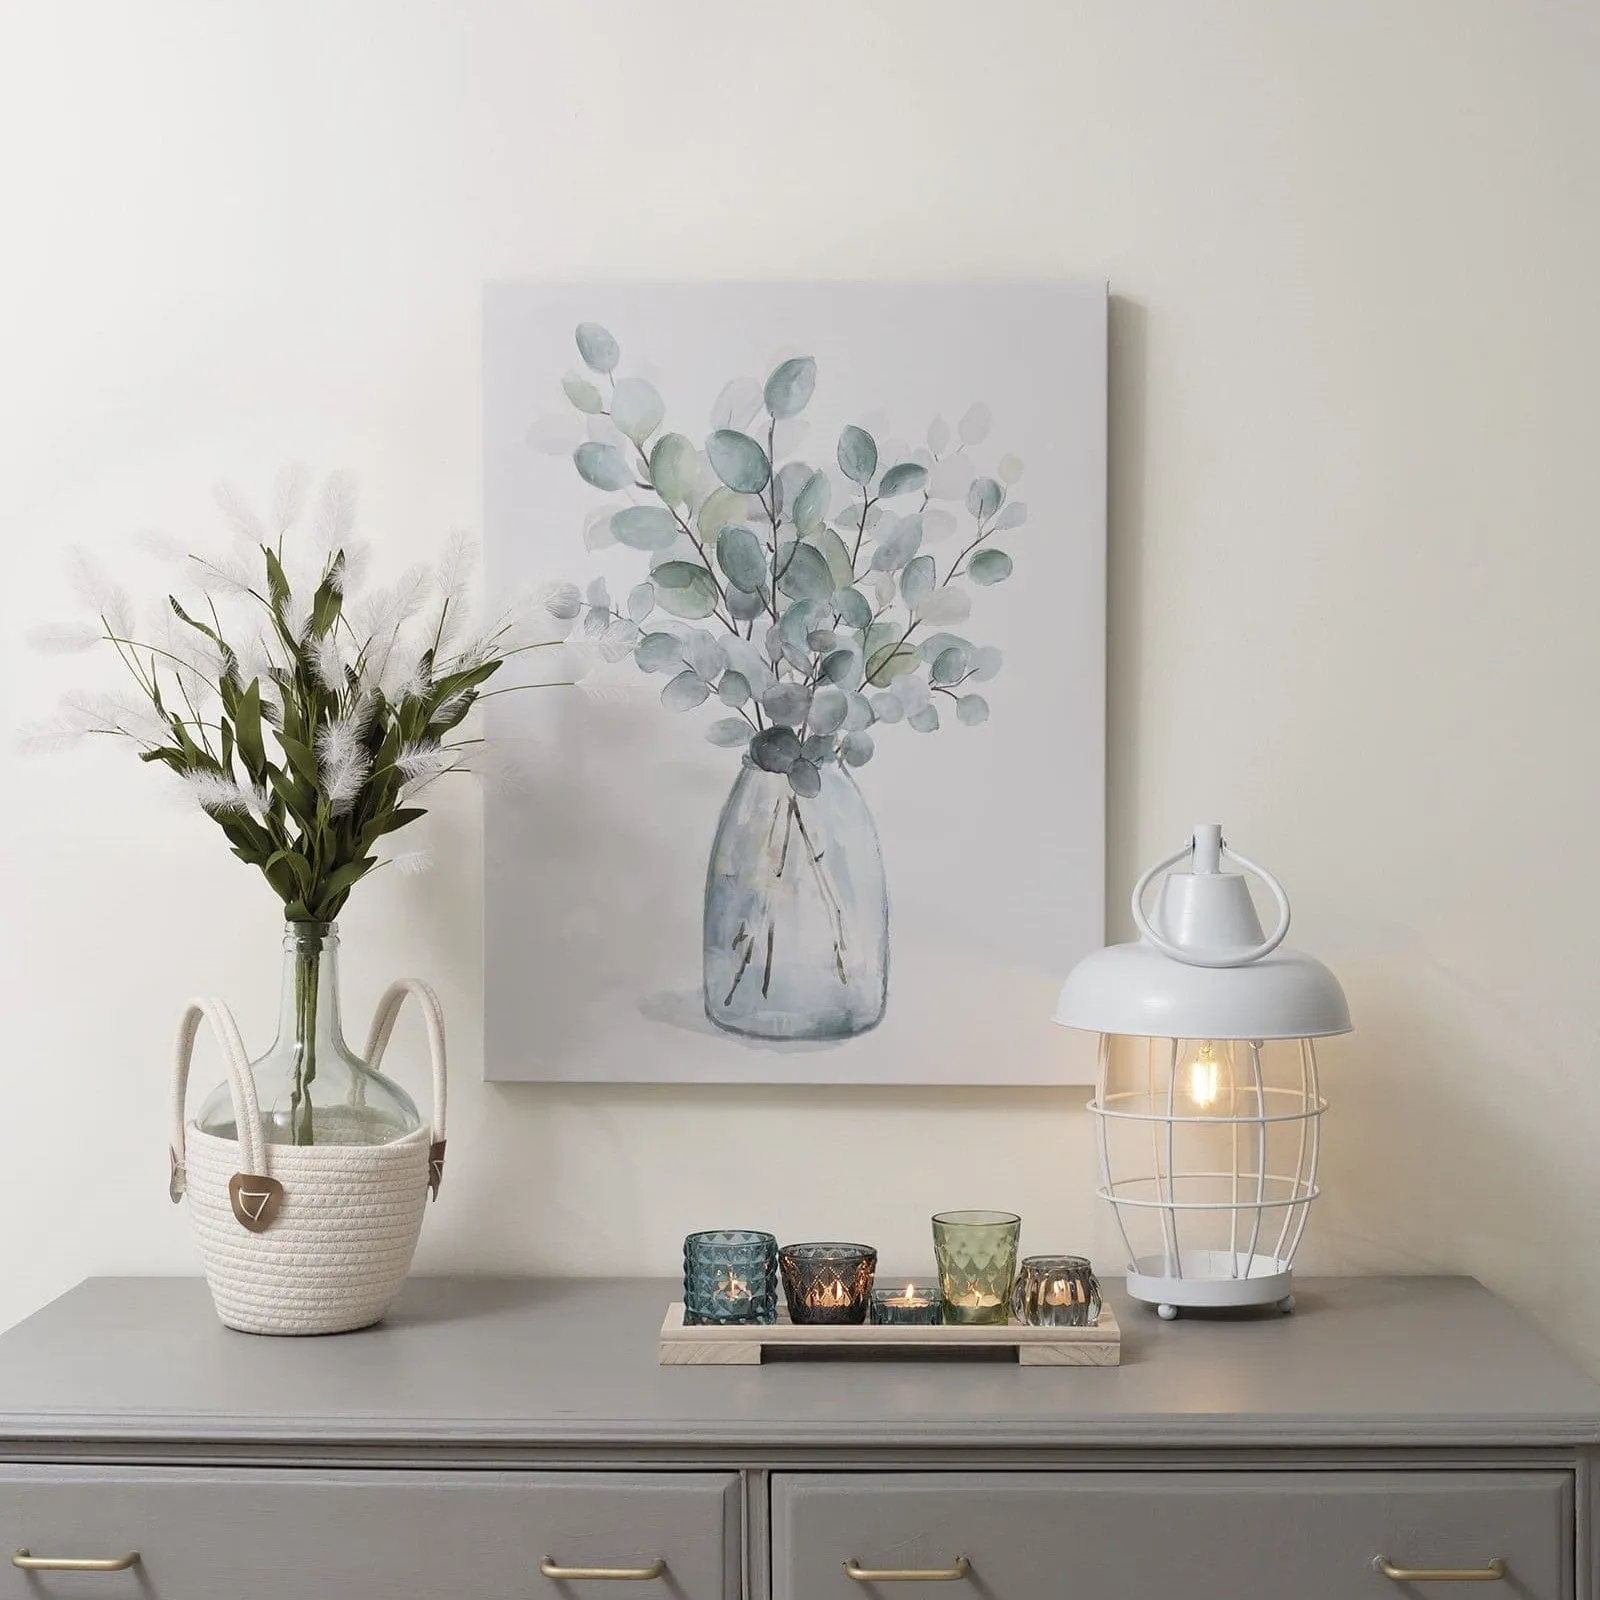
<point x="808" y="602"/>
<point x="302" y="712"/>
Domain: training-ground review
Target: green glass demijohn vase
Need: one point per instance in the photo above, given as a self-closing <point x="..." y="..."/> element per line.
<point x="312" y="1087"/>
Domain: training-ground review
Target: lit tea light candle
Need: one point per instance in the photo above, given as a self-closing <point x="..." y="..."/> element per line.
<point x="976" y="1300"/>
<point x="1057" y="1292"/>
<point x="732" y="1294"/>
<point x="915" y="1305"/>
<point x="827" y="1283"/>
<point x="730" y="1276"/>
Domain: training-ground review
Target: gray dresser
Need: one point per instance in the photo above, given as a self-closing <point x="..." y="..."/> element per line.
<point x="499" y="1439"/>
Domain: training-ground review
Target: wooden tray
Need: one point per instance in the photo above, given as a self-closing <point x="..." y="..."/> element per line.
<point x="710" y="1346"/>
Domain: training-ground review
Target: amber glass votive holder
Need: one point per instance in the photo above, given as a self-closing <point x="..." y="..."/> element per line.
<point x="977" y="1256"/>
<point x="827" y="1284"/>
<point x="907" y="1305"/>
<point x="1056" y="1292"/>
<point x="730" y="1277"/>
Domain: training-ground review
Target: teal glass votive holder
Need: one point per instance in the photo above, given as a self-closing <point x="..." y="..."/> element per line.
<point x="906" y="1305"/>
<point x="730" y="1277"/>
<point x="977" y="1256"/>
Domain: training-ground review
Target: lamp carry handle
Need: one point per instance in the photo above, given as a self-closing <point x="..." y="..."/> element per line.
<point x="1196" y="958"/>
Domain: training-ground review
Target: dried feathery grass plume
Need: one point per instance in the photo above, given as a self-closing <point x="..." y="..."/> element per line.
<point x="335" y="517"/>
<point x="95" y="589"/>
<point x="240" y="515"/>
<point x="288" y="496"/>
<point x="64" y="638"/>
<point x="220" y="796"/>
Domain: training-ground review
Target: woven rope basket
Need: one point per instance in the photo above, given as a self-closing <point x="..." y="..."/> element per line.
<point x="300" y="1239"/>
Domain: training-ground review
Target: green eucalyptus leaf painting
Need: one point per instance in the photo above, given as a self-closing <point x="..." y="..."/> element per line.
<point x="823" y="802"/>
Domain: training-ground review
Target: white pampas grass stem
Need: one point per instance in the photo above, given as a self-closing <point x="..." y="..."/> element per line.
<point x="48" y="737"/>
<point x="343" y="764"/>
<point x="220" y="796"/>
<point x="64" y="638"/>
<point x="562" y="600"/>
<point x="412" y="862"/>
<point x="288" y="495"/>
<point x="241" y="517"/>
<point x="96" y="590"/>
<point x="225" y="577"/>
<point x="163" y="546"/>
<point x="335" y="518"/>
<point x="329" y="661"/>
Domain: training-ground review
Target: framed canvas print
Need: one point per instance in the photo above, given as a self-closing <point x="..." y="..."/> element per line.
<point x="825" y="803"/>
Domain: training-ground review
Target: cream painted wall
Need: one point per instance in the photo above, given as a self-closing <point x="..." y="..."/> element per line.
<point x="1354" y="538"/>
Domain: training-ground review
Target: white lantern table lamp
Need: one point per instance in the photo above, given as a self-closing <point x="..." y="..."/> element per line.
<point x="1208" y="1117"/>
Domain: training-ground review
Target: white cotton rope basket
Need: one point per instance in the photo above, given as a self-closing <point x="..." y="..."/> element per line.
<point x="303" y="1239"/>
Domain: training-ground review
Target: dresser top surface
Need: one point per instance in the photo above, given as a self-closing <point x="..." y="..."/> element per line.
<point x="547" y="1363"/>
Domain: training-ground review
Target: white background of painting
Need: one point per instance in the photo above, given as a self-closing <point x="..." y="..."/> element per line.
<point x="1354" y="562"/>
<point x="992" y="836"/>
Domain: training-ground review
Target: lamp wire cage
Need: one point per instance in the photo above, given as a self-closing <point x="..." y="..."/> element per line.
<point x="1208" y="1154"/>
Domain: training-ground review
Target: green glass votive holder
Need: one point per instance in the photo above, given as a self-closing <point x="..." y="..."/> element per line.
<point x="730" y="1278"/>
<point x="977" y="1256"/>
<point x="906" y="1305"/>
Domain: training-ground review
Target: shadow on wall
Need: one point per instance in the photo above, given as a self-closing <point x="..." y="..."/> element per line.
<point x="1125" y="493"/>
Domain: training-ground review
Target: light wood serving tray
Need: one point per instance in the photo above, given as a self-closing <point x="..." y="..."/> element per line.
<point x="744" y="1346"/>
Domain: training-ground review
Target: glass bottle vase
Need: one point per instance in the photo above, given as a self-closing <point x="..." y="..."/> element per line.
<point x="313" y="1088"/>
<point x="796" y="911"/>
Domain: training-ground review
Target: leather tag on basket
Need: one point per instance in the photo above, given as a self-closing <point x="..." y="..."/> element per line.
<point x="435" y="1167"/>
<point x="256" y="1201"/>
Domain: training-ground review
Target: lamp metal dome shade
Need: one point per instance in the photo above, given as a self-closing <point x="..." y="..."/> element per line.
<point x="1208" y="1137"/>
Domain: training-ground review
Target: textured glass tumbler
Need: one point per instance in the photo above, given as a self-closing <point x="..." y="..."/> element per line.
<point x="977" y="1256"/>
<point x="730" y="1276"/>
<point x="827" y="1283"/>
<point x="1056" y="1292"/>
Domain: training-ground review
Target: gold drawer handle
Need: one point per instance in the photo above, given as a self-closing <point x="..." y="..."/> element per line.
<point x="1489" y="1574"/>
<point x="26" y="1563"/>
<point x="908" y="1574"/>
<point x="614" y="1574"/>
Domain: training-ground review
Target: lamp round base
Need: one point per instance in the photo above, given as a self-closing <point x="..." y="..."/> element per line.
<point x="1209" y="1279"/>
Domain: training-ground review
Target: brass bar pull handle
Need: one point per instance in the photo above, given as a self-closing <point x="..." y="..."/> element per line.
<point x="27" y="1563"/>
<point x="1492" y="1573"/>
<point x="908" y="1574"/>
<point x="551" y="1569"/>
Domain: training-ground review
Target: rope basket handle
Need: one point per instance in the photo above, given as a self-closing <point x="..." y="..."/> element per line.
<point x="255" y="1195"/>
<point x="383" y="1021"/>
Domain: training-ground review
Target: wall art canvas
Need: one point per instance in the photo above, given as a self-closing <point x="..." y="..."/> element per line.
<point x="825" y="804"/>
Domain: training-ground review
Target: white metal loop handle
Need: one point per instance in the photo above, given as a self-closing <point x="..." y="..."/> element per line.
<point x="1195" y="958"/>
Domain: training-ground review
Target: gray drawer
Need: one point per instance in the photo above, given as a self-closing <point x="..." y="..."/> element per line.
<point x="1201" y="1535"/>
<point x="267" y="1535"/>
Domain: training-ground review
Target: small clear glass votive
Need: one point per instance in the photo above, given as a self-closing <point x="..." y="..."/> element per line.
<point x="977" y="1256"/>
<point x="907" y="1305"/>
<point x="827" y="1283"/>
<point x="730" y="1276"/>
<point x="1056" y="1292"/>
